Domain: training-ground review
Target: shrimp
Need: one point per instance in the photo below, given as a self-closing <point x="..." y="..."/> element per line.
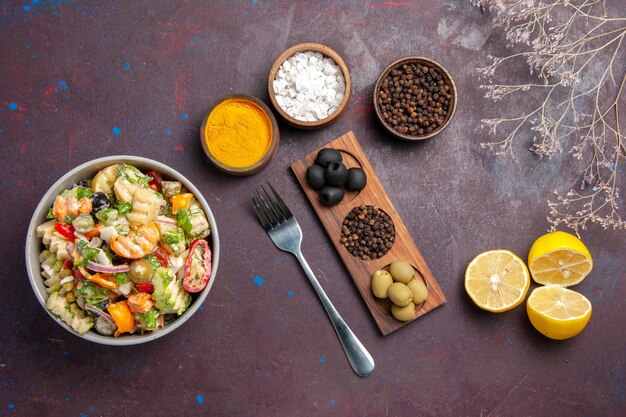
<point x="138" y="243"/>
<point x="69" y="207"/>
<point x="140" y="303"/>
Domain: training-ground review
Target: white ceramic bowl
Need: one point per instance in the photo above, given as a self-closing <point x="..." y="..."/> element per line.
<point x="87" y="171"/>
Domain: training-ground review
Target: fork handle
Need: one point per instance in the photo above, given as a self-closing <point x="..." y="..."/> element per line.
<point x="359" y="358"/>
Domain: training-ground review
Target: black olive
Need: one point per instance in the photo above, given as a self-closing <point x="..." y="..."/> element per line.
<point x="336" y="173"/>
<point x="84" y="183"/>
<point x="331" y="195"/>
<point x="356" y="179"/>
<point x="326" y="156"/>
<point x="316" y="176"/>
<point x="103" y="305"/>
<point x="100" y="201"/>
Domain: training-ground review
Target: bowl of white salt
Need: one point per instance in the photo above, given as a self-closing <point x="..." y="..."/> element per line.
<point x="309" y="85"/>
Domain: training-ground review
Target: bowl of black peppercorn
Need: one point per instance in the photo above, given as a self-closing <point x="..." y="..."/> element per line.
<point x="415" y="98"/>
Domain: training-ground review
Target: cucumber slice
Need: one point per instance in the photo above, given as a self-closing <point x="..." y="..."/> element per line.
<point x="169" y="296"/>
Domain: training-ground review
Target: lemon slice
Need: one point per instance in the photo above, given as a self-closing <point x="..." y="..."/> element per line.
<point x="559" y="258"/>
<point x="557" y="312"/>
<point x="497" y="280"/>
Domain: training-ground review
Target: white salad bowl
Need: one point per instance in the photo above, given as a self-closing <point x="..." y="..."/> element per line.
<point x="87" y="170"/>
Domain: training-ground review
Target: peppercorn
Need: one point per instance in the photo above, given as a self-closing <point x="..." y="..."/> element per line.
<point x="367" y="232"/>
<point x="419" y="98"/>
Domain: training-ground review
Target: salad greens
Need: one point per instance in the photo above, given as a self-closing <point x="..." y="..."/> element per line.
<point x="86" y="253"/>
<point x="115" y="252"/>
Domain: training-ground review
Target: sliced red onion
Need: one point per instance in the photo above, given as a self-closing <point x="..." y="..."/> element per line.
<point x="107" y="269"/>
<point x="102" y="259"/>
<point x="81" y="236"/>
<point x="70" y="248"/>
<point x="95" y="242"/>
<point x="176" y="263"/>
<point x="126" y="288"/>
<point x="66" y="279"/>
<point x="99" y="312"/>
<point x="166" y="220"/>
<point x="104" y="327"/>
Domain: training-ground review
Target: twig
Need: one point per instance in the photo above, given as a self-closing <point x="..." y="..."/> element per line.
<point x="578" y="67"/>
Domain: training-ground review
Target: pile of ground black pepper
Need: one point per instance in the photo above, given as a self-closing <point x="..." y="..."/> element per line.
<point x="415" y="98"/>
<point x="367" y="232"/>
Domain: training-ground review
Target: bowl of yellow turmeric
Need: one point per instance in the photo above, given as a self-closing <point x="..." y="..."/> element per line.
<point x="239" y="134"/>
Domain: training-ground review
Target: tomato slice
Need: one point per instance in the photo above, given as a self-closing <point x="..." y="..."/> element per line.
<point x="146" y="287"/>
<point x="197" y="266"/>
<point x="156" y="181"/>
<point x="162" y="255"/>
<point x="65" y="230"/>
<point x="78" y="275"/>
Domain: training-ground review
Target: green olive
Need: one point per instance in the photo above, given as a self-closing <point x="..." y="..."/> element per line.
<point x="399" y="294"/>
<point x="401" y="271"/>
<point x="405" y="313"/>
<point x="140" y="271"/>
<point x="381" y="280"/>
<point x="419" y="290"/>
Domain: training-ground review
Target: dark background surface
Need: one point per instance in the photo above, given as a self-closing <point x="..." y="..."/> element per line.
<point x="92" y="79"/>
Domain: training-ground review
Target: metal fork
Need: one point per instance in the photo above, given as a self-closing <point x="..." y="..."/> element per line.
<point x="286" y="234"/>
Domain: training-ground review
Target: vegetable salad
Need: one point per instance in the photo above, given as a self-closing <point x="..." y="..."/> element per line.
<point x="124" y="252"/>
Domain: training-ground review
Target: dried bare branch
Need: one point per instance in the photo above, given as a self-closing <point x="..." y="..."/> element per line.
<point x="578" y="54"/>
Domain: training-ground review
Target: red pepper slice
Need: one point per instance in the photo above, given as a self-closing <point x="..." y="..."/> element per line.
<point x="123" y="317"/>
<point x="67" y="264"/>
<point x="146" y="287"/>
<point x="156" y="181"/>
<point x="197" y="266"/>
<point x="78" y="275"/>
<point x="65" y="230"/>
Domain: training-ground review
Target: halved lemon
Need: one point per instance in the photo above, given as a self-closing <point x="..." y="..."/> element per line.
<point x="497" y="280"/>
<point x="557" y="312"/>
<point x="559" y="258"/>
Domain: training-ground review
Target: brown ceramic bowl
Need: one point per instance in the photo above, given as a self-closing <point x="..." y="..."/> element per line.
<point x="327" y="52"/>
<point x="269" y="153"/>
<point x="447" y="79"/>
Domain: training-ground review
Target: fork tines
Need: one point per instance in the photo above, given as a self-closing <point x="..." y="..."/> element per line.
<point x="271" y="211"/>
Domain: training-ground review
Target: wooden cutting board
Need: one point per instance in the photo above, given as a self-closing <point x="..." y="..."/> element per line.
<point x="403" y="247"/>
